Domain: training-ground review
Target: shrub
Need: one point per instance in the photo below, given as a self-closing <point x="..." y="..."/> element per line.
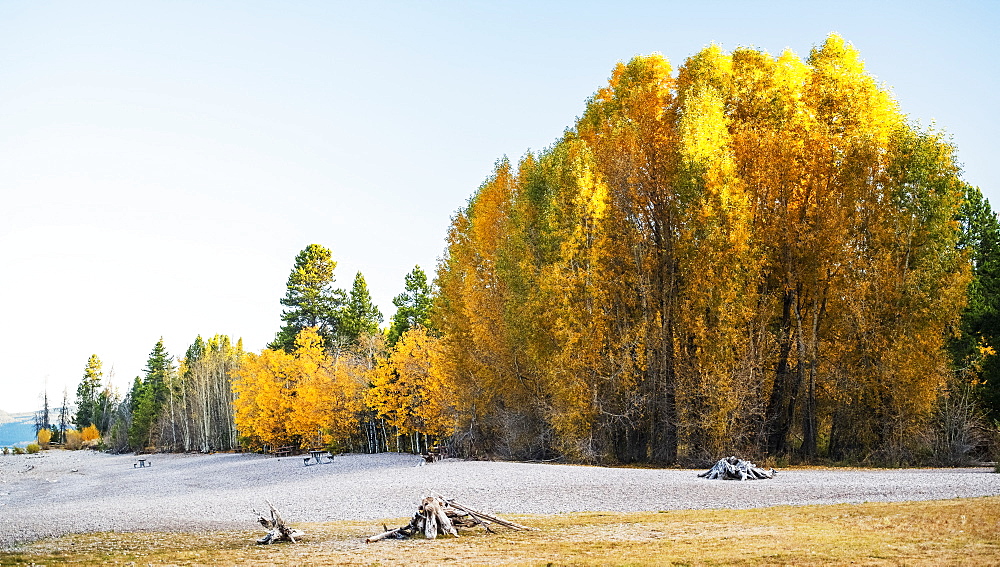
<point x="90" y="433"/>
<point x="6" y="450"/>
<point x="74" y="439"/>
<point x="33" y="448"/>
<point x="44" y="437"/>
<point x="18" y="451"/>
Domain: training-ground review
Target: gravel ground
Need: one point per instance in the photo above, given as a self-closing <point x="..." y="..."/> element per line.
<point x="59" y="492"/>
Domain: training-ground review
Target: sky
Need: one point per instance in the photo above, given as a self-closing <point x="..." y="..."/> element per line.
<point x="162" y="163"/>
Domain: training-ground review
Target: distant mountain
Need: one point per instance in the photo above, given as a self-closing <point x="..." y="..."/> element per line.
<point x="16" y="428"/>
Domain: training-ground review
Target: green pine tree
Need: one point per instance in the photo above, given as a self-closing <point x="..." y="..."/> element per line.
<point x="980" y="326"/>
<point x="149" y="396"/>
<point x="413" y="307"/>
<point x="311" y="299"/>
<point x="87" y="393"/>
<point x="361" y="316"/>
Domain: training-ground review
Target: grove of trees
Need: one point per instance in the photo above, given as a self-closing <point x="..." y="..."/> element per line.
<point x="756" y="254"/>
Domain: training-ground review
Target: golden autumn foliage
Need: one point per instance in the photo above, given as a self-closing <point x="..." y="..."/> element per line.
<point x="754" y="253"/>
<point x="44" y="437"/>
<point x="410" y="387"/>
<point x="304" y="398"/>
<point x="90" y="433"/>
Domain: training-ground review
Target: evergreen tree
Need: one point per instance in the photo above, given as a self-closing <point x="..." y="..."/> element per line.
<point x="979" y="337"/>
<point x="311" y="299"/>
<point x="149" y="396"/>
<point x="413" y="307"/>
<point x="361" y="316"/>
<point x="87" y="393"/>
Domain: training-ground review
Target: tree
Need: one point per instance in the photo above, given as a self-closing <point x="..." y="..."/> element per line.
<point x="263" y="387"/>
<point x="410" y="390"/>
<point x="42" y="419"/>
<point x="64" y="416"/>
<point x="87" y="393"/>
<point x="304" y="398"/>
<point x="311" y="299"/>
<point x="327" y="397"/>
<point x="413" y="306"/>
<point x="106" y="407"/>
<point x="149" y="396"/>
<point x="361" y="316"/>
<point x="978" y="342"/>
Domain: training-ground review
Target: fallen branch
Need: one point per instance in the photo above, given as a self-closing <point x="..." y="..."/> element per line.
<point x="486" y="518"/>
<point x="438" y="515"/>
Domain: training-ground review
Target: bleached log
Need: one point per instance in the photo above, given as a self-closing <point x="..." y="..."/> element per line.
<point x="396" y="533"/>
<point x="435" y="518"/>
<point x="487" y="517"/>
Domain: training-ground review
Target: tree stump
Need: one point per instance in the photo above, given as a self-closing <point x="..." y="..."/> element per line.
<point x="732" y="468"/>
<point x="277" y="530"/>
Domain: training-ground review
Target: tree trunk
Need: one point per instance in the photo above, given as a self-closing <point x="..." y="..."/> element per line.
<point x="776" y="428"/>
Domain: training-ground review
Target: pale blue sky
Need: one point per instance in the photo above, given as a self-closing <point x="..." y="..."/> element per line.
<point x="161" y="163"/>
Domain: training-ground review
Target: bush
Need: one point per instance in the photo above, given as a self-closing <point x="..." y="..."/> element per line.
<point x="18" y="451"/>
<point x="74" y="439"/>
<point x="33" y="448"/>
<point x="6" y="450"/>
<point x="44" y="437"/>
<point x="90" y="433"/>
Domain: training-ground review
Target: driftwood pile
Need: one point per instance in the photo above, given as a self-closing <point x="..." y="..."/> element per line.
<point x="732" y="468"/>
<point x="276" y="528"/>
<point x="437" y="515"/>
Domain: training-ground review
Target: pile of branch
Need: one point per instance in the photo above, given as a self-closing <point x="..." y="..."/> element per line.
<point x="732" y="468"/>
<point x="277" y="530"/>
<point x="436" y="514"/>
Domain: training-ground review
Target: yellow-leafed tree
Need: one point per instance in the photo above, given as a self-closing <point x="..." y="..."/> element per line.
<point x="328" y="393"/>
<point x="409" y="388"/>
<point x="304" y="398"/>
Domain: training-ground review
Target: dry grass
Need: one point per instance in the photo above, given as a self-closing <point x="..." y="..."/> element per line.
<point x="946" y="532"/>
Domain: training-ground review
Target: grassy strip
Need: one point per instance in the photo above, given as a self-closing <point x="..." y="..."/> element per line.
<point x="964" y="531"/>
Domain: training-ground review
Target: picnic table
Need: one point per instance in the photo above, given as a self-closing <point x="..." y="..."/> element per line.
<point x="317" y="456"/>
<point x="283" y="451"/>
<point x="435" y="453"/>
<point x="141" y="464"/>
